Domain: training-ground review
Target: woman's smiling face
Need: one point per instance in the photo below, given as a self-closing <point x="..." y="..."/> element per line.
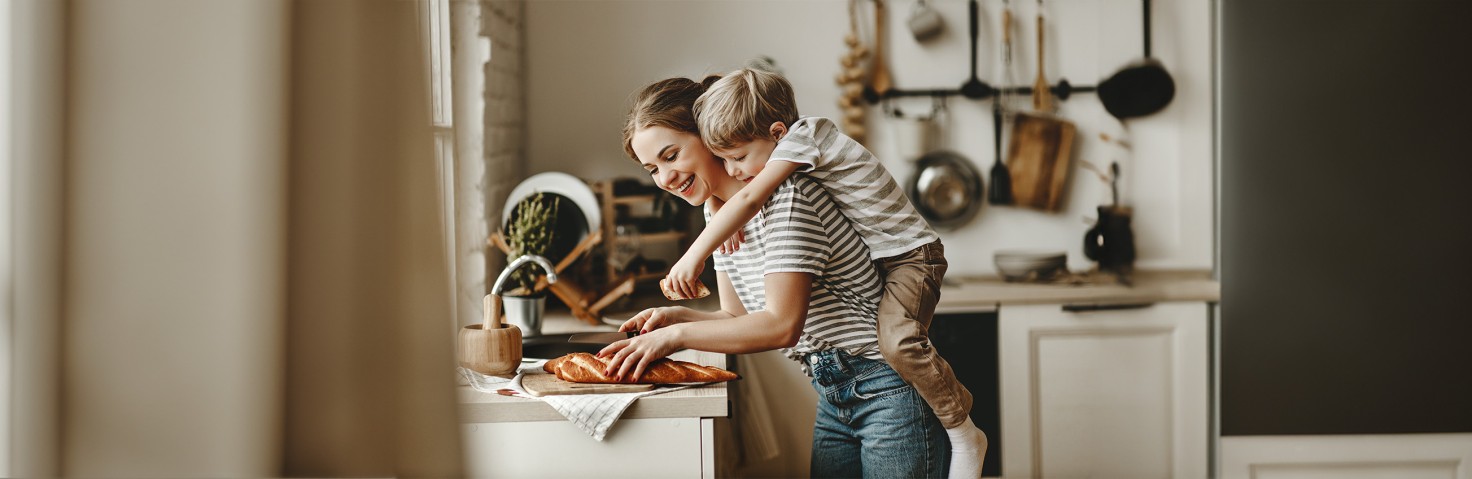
<point x="678" y="163"/>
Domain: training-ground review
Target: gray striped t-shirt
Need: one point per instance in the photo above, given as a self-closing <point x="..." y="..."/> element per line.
<point x="862" y="187"/>
<point x="800" y="229"/>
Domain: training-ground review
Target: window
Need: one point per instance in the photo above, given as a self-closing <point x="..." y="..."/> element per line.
<point x="436" y="28"/>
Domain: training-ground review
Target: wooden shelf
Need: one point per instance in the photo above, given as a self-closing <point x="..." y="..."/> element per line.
<point x="660" y="236"/>
<point x="633" y="200"/>
<point x="651" y="276"/>
<point x="653" y="241"/>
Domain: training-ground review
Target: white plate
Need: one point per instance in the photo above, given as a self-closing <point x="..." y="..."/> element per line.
<point x="562" y="184"/>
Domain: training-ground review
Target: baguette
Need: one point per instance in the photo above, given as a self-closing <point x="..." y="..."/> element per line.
<point x="587" y="368"/>
<point x="700" y="291"/>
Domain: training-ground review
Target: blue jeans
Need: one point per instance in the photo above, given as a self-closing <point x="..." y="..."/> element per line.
<point x="871" y="423"/>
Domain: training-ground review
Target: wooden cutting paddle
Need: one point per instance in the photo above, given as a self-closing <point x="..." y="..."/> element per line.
<point x="1040" y="154"/>
<point x="539" y="385"/>
<point x="1040" y="158"/>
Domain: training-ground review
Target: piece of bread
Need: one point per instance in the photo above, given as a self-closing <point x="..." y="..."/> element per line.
<point x="700" y="291"/>
<point x="587" y="368"/>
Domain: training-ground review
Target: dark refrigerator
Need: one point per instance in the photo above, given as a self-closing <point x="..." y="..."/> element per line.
<point x="1345" y="222"/>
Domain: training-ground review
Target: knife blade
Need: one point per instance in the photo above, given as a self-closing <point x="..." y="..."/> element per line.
<point x="601" y="338"/>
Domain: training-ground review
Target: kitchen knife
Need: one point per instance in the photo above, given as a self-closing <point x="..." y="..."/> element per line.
<point x="601" y="338"/>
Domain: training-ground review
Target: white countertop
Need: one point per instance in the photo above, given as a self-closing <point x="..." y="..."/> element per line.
<point x="972" y="294"/>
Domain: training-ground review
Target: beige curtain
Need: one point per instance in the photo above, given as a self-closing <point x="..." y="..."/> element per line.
<point x="235" y="263"/>
<point x="370" y="362"/>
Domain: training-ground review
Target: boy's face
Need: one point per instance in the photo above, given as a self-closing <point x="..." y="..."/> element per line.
<point x="745" y="161"/>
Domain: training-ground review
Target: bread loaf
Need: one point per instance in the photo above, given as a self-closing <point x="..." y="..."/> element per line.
<point x="587" y="368"/>
<point x="700" y="290"/>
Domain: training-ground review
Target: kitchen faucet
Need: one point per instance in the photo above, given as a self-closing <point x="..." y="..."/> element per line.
<point x="524" y="259"/>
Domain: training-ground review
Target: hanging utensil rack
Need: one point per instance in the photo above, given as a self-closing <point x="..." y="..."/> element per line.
<point x="1062" y="90"/>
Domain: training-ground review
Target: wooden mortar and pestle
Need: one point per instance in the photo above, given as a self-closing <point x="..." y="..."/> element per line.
<point x="491" y="347"/>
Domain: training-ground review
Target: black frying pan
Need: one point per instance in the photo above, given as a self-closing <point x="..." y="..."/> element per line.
<point x="1141" y="88"/>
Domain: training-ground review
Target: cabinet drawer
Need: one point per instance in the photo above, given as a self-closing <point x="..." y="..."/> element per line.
<point x="1106" y="391"/>
<point x="559" y="449"/>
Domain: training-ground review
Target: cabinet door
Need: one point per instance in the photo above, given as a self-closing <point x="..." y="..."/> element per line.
<point x="1106" y="392"/>
<point x="634" y="448"/>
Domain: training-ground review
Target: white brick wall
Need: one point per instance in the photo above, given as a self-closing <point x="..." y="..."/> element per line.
<point x="505" y="107"/>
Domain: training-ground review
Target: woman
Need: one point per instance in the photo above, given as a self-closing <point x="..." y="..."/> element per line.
<point x="802" y="282"/>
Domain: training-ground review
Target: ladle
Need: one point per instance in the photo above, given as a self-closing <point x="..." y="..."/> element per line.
<point x="974" y="88"/>
<point x="1000" y="192"/>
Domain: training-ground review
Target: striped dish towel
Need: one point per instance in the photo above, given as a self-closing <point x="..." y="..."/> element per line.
<point x="595" y="414"/>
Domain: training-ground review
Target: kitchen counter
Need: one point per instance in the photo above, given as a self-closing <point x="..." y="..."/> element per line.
<point x="972" y="294"/>
<point x="958" y="295"/>
<point x="697" y="402"/>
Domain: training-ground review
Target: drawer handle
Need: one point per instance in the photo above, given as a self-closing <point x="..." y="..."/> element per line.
<point x="1084" y="308"/>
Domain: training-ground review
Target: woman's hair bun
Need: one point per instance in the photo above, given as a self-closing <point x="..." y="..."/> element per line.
<point x="708" y="81"/>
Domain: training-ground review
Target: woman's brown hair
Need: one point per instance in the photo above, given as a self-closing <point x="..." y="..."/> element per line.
<point x="669" y="103"/>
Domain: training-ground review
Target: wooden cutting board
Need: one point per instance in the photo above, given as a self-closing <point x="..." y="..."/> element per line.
<point x="548" y="385"/>
<point x="1039" y="159"/>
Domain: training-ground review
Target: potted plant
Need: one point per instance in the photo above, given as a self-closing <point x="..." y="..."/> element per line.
<point x="530" y="232"/>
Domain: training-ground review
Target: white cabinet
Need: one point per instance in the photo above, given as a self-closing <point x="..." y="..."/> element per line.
<point x="1107" y="392"/>
<point x="634" y="448"/>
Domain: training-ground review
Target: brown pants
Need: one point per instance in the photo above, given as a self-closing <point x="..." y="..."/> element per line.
<point x="911" y="289"/>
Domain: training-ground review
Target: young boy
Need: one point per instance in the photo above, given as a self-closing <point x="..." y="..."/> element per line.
<point x="749" y="118"/>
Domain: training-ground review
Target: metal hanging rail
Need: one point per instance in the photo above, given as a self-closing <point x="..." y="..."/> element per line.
<point x="1062" y="90"/>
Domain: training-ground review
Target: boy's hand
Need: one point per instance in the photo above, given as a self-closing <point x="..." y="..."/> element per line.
<point x="684" y="276"/>
<point x="732" y="244"/>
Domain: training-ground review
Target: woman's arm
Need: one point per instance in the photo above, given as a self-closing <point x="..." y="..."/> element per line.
<point x="777" y="326"/>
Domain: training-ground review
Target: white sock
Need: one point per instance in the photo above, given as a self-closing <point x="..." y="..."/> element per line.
<point x="968" y="450"/>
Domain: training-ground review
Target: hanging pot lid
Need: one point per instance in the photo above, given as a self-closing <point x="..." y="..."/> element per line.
<point x="946" y="189"/>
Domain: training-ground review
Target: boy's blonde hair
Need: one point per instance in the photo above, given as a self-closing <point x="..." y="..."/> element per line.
<point x="742" y="106"/>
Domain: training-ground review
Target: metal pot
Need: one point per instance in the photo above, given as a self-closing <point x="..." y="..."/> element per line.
<point x="946" y="189"/>
<point x="525" y="312"/>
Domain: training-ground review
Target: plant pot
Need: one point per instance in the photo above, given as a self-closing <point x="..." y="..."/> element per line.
<point x="525" y="312"/>
<point x="496" y="352"/>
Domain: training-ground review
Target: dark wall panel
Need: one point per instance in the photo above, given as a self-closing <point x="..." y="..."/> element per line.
<point x="1346" y="217"/>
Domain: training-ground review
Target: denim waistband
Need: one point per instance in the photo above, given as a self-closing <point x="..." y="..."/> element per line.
<point x="835" y="366"/>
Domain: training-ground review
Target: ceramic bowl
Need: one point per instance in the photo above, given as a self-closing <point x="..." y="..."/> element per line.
<point x="1017" y="265"/>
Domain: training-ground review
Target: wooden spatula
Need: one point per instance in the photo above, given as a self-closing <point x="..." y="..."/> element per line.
<point x="1041" y="98"/>
<point x="881" y="82"/>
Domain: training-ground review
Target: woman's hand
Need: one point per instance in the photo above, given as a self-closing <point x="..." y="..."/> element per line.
<point x="630" y="357"/>
<point x="654" y="318"/>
